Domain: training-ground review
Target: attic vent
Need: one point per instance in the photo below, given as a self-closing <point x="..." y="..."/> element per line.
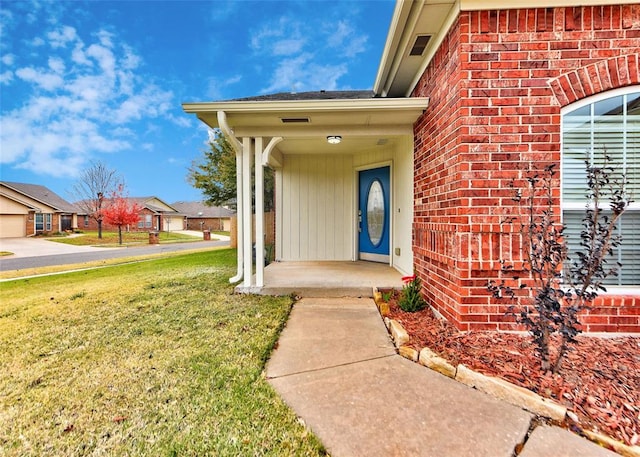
<point x="419" y="45"/>
<point x="294" y="120"/>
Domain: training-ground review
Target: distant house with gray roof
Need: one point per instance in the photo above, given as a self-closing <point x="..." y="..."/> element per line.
<point x="155" y="215"/>
<point x="199" y="216"/>
<point x="32" y="209"/>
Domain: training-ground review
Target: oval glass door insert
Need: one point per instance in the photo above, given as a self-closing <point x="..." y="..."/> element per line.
<point x="375" y="213"/>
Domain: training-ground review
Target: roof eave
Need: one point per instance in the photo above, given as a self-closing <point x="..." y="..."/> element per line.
<point x="38" y="199"/>
<point x="390" y="51"/>
<point x="346" y="113"/>
<point x="398" y="73"/>
<point x="407" y="23"/>
<point x="305" y="105"/>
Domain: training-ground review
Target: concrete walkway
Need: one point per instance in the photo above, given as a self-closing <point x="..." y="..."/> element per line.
<point x="337" y="368"/>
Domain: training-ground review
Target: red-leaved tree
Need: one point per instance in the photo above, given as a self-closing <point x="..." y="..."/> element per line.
<point x="120" y="211"/>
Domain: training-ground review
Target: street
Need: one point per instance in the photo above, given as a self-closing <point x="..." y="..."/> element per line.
<point x="44" y="259"/>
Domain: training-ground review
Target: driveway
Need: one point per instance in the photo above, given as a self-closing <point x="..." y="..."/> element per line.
<point x="38" y="247"/>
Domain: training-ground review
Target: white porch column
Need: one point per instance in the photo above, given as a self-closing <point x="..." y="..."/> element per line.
<point x="239" y="217"/>
<point x="237" y="147"/>
<point x="259" y="212"/>
<point x="246" y="211"/>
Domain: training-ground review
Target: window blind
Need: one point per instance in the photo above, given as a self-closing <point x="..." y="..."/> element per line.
<point x="608" y="126"/>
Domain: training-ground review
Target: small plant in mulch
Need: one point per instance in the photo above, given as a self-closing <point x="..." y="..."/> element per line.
<point x="411" y="298"/>
<point x="386" y="295"/>
<point x="552" y="288"/>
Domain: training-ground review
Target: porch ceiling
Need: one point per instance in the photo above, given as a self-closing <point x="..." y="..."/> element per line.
<point x="362" y="123"/>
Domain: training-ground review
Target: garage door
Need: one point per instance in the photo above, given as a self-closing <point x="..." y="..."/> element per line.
<point x="12" y="226"/>
<point x="171" y="224"/>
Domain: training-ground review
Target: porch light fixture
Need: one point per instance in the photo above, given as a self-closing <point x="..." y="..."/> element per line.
<point x="334" y="139"/>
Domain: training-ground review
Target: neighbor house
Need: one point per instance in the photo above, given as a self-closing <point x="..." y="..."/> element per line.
<point x="32" y="209"/>
<point x="198" y="216"/>
<point x="155" y="215"/>
<point x="469" y="95"/>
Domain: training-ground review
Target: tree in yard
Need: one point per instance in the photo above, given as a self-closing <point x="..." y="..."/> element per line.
<point x="555" y="285"/>
<point x="95" y="184"/>
<point x="215" y="174"/>
<point x="120" y="212"/>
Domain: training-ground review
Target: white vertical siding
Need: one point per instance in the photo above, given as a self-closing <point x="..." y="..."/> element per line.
<point x="316" y="200"/>
<point x="403" y="206"/>
<point x="316" y="207"/>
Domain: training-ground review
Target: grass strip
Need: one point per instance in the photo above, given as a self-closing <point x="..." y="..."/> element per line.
<point x="128" y="238"/>
<point x="153" y="358"/>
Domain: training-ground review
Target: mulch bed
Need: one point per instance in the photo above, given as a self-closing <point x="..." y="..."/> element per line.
<point x="599" y="381"/>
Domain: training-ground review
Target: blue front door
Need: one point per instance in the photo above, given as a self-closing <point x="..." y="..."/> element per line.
<point x="374" y="214"/>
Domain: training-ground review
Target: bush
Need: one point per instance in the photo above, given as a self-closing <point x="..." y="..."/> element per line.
<point x="553" y="287"/>
<point x="411" y="300"/>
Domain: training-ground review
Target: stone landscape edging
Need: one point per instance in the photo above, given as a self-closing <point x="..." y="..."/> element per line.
<point x="497" y="387"/>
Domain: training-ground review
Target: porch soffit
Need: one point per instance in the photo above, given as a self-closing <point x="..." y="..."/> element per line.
<point x="362" y="123"/>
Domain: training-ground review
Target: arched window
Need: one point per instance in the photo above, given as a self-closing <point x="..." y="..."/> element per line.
<point x="606" y="124"/>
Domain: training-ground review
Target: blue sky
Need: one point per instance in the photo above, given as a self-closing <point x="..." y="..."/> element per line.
<point x="104" y="80"/>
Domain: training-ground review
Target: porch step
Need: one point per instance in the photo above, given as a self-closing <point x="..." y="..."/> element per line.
<point x="326" y="279"/>
<point x="310" y="291"/>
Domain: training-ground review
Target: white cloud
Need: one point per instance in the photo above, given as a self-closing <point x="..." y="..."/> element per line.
<point x="86" y="100"/>
<point x="287" y="47"/>
<point x="216" y="86"/>
<point x="61" y="37"/>
<point x="302" y="74"/>
<point x="344" y="38"/>
<point x="7" y="21"/>
<point x="46" y="81"/>
<point x="306" y="55"/>
<point x="182" y="121"/>
<point x="339" y="32"/>
<point x="280" y="38"/>
<point x="8" y="59"/>
<point x="79" y="56"/>
<point x="356" y="46"/>
<point x="57" y="65"/>
<point x="6" y="77"/>
<point x="104" y="57"/>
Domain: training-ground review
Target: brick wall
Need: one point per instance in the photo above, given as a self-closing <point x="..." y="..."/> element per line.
<point x="496" y="87"/>
<point x="93" y="224"/>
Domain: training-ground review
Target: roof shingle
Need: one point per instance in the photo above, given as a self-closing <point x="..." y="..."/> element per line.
<point x="43" y="195"/>
<point x="315" y="95"/>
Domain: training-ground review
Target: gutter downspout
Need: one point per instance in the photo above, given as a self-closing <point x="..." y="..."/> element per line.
<point x="237" y="147"/>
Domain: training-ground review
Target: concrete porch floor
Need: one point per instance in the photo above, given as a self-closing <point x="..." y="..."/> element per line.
<point x="326" y="279"/>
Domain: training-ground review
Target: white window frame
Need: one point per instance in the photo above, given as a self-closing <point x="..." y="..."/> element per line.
<point x="45" y="222"/>
<point x="569" y="206"/>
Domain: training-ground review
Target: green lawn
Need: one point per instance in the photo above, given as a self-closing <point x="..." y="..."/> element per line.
<point x="128" y="238"/>
<point x="155" y="358"/>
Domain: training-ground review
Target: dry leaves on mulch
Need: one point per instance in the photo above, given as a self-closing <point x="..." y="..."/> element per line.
<point x="599" y="380"/>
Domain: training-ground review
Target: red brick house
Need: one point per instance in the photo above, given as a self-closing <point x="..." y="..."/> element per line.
<point x="469" y="96"/>
<point x="155" y="215"/>
<point x="198" y="216"/>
